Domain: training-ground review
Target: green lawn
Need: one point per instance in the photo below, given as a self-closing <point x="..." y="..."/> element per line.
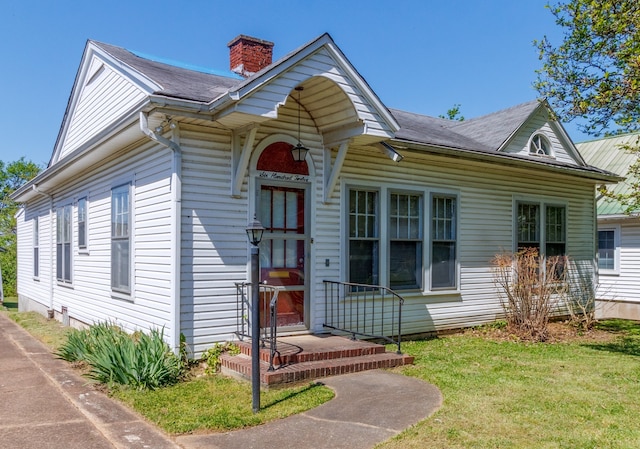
<point x="497" y="393"/>
<point x="505" y="394"/>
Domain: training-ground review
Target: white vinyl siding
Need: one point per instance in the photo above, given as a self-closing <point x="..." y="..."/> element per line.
<point x="266" y="100"/>
<point x="540" y="125"/>
<point x="91" y="299"/>
<point x="106" y="97"/>
<point x="486" y="199"/>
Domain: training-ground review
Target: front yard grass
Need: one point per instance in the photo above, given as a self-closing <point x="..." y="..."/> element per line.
<point x="581" y="392"/>
<point x="500" y="393"/>
<point x="202" y="404"/>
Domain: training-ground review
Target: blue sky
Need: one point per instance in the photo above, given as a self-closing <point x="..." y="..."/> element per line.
<point x="422" y="56"/>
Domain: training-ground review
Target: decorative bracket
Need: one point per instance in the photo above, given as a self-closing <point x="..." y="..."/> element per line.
<point x="331" y="174"/>
<point x="240" y="156"/>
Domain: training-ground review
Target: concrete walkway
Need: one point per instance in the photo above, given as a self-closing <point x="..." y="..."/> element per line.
<point x="45" y="404"/>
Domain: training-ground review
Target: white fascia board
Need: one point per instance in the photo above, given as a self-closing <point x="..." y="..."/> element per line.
<point x="93" y="50"/>
<point x="289" y="61"/>
<point x="128" y="125"/>
<point x="503" y="159"/>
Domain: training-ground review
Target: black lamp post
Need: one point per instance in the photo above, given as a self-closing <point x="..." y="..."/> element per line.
<point x="254" y="233"/>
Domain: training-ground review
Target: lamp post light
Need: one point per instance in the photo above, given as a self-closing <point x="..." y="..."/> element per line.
<point x="254" y="233"/>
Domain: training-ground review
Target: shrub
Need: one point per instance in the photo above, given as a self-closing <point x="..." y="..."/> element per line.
<point x="142" y="361"/>
<point x="212" y="355"/>
<point x="530" y="290"/>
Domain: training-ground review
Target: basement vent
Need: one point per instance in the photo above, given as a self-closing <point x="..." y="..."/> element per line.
<point x="65" y="316"/>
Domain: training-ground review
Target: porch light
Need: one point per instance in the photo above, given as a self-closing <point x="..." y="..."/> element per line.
<point x="255" y="231"/>
<point x="299" y="152"/>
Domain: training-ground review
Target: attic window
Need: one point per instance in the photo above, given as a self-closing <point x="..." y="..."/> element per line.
<point x="539" y="144"/>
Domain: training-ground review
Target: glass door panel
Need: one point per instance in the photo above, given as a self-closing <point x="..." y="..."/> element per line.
<point x="282" y="250"/>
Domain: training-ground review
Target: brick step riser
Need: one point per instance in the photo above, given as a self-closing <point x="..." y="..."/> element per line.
<point x="311" y="356"/>
<point x="293" y="375"/>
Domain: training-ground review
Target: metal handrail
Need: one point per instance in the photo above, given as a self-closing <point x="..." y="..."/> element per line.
<point x="268" y="332"/>
<point x="372" y="311"/>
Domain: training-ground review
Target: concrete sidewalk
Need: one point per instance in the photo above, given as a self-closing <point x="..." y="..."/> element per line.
<point x="369" y="407"/>
<point x="45" y="404"/>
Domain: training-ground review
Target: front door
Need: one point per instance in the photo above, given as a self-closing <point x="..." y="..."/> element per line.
<point x="283" y="250"/>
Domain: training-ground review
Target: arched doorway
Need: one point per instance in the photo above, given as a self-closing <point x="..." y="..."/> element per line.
<point x="282" y="208"/>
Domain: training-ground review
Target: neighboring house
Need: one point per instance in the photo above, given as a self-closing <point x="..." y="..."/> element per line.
<point x="140" y="216"/>
<point x="618" y="231"/>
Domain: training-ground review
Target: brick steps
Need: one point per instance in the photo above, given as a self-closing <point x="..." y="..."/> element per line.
<point x="311" y="357"/>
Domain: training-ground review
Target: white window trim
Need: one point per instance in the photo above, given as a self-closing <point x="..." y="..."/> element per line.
<point x="64" y="282"/>
<point x="36" y="245"/>
<point x="385" y="191"/>
<point x="85" y="249"/>
<point x="117" y="293"/>
<point x="544" y="136"/>
<point x="616" y="254"/>
<point x="543" y="203"/>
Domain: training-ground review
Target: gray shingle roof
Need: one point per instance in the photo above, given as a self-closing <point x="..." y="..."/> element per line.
<point x="176" y="82"/>
<point x="484" y="134"/>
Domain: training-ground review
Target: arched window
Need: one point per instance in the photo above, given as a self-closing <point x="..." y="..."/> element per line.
<point x="539" y="144"/>
<point x="277" y="158"/>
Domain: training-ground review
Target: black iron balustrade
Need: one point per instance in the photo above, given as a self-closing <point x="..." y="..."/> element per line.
<point x="268" y="313"/>
<point x="371" y="311"/>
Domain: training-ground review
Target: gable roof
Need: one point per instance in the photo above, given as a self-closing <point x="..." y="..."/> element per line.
<point x="222" y="94"/>
<point x="609" y="154"/>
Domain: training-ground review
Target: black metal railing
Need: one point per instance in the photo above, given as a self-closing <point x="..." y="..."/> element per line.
<point x="371" y="311"/>
<point x="268" y="295"/>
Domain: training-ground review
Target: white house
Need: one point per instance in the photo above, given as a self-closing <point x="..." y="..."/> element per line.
<point x="618" y="230"/>
<point x="140" y="216"/>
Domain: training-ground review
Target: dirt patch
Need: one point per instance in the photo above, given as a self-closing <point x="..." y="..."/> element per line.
<point x="559" y="332"/>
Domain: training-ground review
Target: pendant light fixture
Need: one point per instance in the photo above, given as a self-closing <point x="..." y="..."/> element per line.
<point x="299" y="152"/>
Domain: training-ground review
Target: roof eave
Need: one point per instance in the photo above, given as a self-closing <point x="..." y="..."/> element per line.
<point x="509" y="159"/>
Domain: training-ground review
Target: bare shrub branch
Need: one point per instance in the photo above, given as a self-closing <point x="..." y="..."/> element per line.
<point x="530" y="290"/>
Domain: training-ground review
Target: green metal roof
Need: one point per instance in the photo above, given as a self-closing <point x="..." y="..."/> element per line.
<point x="609" y="154"/>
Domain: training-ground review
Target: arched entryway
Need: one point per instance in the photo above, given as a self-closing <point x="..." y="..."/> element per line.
<point x="283" y="209"/>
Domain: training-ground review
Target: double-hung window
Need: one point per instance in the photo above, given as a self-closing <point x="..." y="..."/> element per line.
<point x="364" y="240"/>
<point x="120" y="239"/>
<point x="63" y="244"/>
<point x="443" y="242"/>
<point x="36" y="248"/>
<point x="405" y="241"/>
<point x="402" y="239"/>
<point x="82" y="223"/>
<point x="609" y="250"/>
<point x="543" y="227"/>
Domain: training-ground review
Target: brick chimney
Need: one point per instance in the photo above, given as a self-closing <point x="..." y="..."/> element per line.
<point x="249" y="55"/>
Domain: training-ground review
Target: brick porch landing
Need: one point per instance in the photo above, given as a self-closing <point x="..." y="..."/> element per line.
<point x="306" y="357"/>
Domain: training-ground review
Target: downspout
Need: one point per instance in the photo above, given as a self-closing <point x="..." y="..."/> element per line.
<point x="176" y="212"/>
<point x="34" y="187"/>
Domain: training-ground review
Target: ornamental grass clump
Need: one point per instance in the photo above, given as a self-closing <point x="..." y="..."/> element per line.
<point x="142" y="361"/>
<point x="531" y="288"/>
